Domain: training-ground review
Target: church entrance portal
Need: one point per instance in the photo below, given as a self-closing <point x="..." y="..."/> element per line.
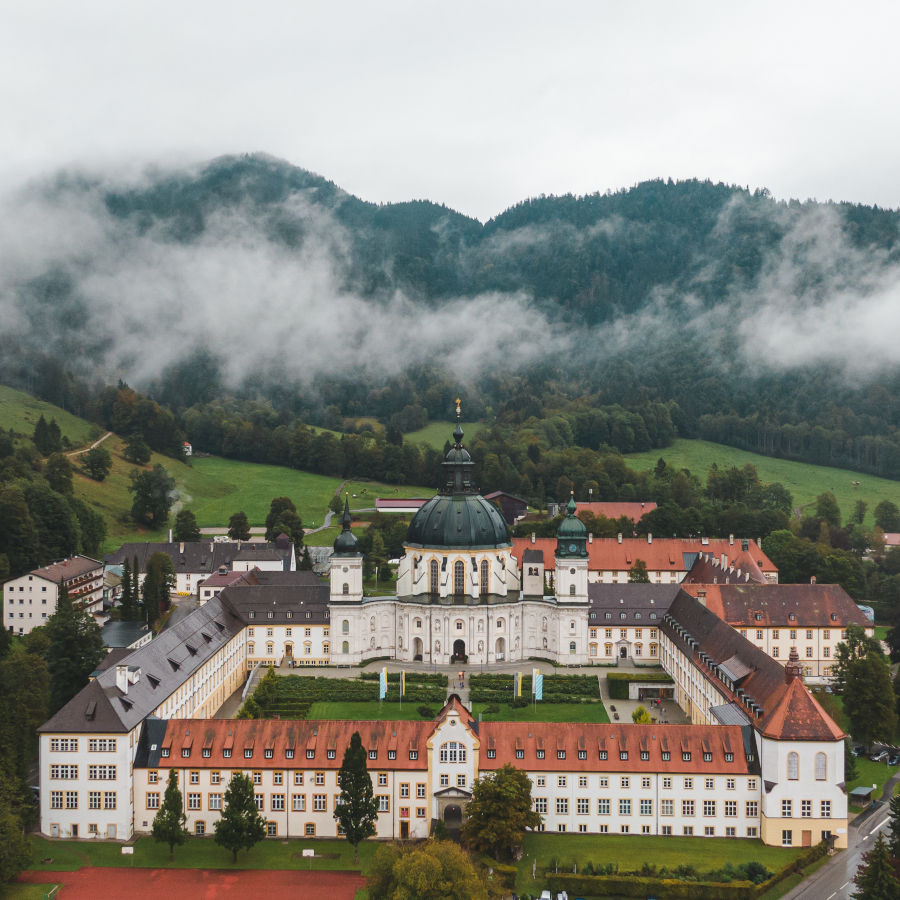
<point x="623" y="653"/>
<point x="459" y="651"/>
<point x="453" y="816"/>
<point x="417" y="649"/>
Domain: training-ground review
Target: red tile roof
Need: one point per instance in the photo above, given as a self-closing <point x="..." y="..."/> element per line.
<point x="798" y="717"/>
<point x="660" y="554"/>
<point x="505" y="738"/>
<point x="68" y="569"/>
<point x="773" y="605"/>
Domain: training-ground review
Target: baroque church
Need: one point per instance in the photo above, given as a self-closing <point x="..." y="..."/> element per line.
<point x="461" y="594"/>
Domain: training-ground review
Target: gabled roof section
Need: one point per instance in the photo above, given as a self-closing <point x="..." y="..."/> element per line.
<point x="67" y="569"/>
<point x="798" y="717"/>
<point x="201" y="557"/>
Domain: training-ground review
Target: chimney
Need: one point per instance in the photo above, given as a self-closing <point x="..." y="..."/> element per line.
<point x="619" y="537"/>
<point x="533" y="538"/>
<point x="212" y="547"/>
<point x="590" y="537"/>
<point x="649" y="538"/>
<point x="122" y="678"/>
<point x="701" y="596"/>
<point x="792" y="670"/>
<point x="730" y="540"/>
<point x="812" y="579"/>
<point x="759" y="543"/>
<point x="181" y="547"/>
<point x="170" y="535"/>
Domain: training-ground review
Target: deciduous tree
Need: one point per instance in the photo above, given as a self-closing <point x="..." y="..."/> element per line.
<point x="499" y="812"/>
<point x="186" y="527"/>
<point x="638" y="573"/>
<point x="136" y="450"/>
<point x="240" y="826"/>
<point x="855" y="646"/>
<point x="169" y="823"/>
<point x="357" y="809"/>
<point x="153" y="496"/>
<point x="58" y="472"/>
<point x="435" y="870"/>
<point x="97" y="463"/>
<point x="869" y="699"/>
<point x="239" y="527"/>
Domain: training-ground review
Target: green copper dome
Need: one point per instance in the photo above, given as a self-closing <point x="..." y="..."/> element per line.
<point x="345" y="543"/>
<point x="571" y="534"/>
<point x="458" y="516"/>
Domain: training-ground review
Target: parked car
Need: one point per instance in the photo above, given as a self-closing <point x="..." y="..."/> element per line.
<point x="880" y="756"/>
<point x="859" y="750"/>
<point x="894" y="759"/>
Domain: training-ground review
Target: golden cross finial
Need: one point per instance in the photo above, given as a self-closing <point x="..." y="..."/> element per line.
<point x="458" y="410"/>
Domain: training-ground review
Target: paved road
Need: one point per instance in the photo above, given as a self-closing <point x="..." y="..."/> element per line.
<point x="834" y="881"/>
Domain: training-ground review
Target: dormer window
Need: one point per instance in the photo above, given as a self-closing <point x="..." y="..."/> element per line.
<point x="560" y="754"/>
<point x="666" y="755"/>
<point x="582" y="754"/>
<point x="540" y="754"/>
<point x="185" y="752"/>
<point x="707" y="757"/>
<point x="165" y="751"/>
<point x="603" y="754"/>
<point x="269" y="753"/>
<point x="310" y="754"/>
<point x="686" y="756"/>
<point x="492" y="754"/>
<point x="373" y="754"/>
<point x="520" y="754"/>
<point x="207" y="752"/>
<point x="623" y="754"/>
<point x="729" y="757"/>
<point x="289" y="753"/>
<point x="227" y="753"/>
<point x="331" y="754"/>
<point x="413" y="754"/>
<point x="248" y="753"/>
<point x="645" y="755"/>
<point x="392" y="754"/>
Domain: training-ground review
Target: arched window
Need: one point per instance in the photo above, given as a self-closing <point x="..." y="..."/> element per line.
<point x="485" y="573"/>
<point x="433" y="583"/>
<point x="345" y="647"/>
<point x="821" y="767"/>
<point x="593" y="649"/>
<point x="544" y="624"/>
<point x="459" y="577"/>
<point x="345" y="627"/>
<point x="545" y="643"/>
<point x="453" y="751"/>
<point x="346" y="588"/>
<point x="793" y="766"/>
<point x="572" y="589"/>
<point x="372" y="623"/>
<point x="571" y="646"/>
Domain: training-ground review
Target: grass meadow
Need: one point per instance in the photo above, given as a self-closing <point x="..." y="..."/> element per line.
<point x="21" y="412"/>
<point x="804" y="481"/>
<point x="436" y="434"/>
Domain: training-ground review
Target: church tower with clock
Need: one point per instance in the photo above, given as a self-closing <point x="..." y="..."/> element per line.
<point x="571" y="559"/>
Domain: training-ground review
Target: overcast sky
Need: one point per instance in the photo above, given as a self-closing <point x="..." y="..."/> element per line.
<point x="473" y="104"/>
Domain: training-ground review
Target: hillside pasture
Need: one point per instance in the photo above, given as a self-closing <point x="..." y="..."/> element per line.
<point x="436" y="434"/>
<point x="803" y="480"/>
<point x="21" y="412"/>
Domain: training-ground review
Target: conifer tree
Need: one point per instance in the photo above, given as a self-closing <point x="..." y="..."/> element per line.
<point x="305" y="561"/>
<point x="76" y="647"/>
<point x="130" y="610"/>
<point x="894" y="841"/>
<point x="875" y="877"/>
<point x="240" y="825"/>
<point x="357" y="808"/>
<point x="169" y="823"/>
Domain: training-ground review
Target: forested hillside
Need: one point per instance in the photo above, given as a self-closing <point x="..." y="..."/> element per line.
<point x="246" y="294"/>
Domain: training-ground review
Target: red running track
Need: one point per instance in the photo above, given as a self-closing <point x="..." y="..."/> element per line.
<point x="92" y="883"/>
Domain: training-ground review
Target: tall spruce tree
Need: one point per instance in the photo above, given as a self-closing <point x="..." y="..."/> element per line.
<point x="158" y="584"/>
<point x="76" y="647"/>
<point x="169" y="823"/>
<point x="240" y="826"/>
<point x="875" y="877"/>
<point x="357" y="808"/>
<point x="130" y="604"/>
<point x="894" y="840"/>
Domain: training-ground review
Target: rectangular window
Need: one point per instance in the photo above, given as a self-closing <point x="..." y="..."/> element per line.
<point x="320" y="802"/>
<point x="298" y="802"/>
<point x="561" y="781"/>
<point x="688" y="784"/>
<point x="94" y="799"/>
<point x="64" y="773"/>
<point x="752" y="809"/>
<point x="260" y="801"/>
<point x="102" y="773"/>
<point x="320" y="778"/>
<point x="624" y="807"/>
<point x="582" y="781"/>
<point x="603" y="807"/>
<point x="420" y="791"/>
<point x="194" y="801"/>
<point x="624" y="781"/>
<point x="806" y="809"/>
<point x="540" y="805"/>
<point x="257" y="777"/>
<point x="153" y="800"/>
<point x="66" y="745"/>
<point x="277" y="802"/>
<point x="687" y="808"/>
<point x="382" y="779"/>
<point x="384" y="803"/>
<point x="709" y="807"/>
<point x="215" y="801"/>
<point x="56" y="799"/>
<point x="404" y="790"/>
<point x="688" y="830"/>
<point x="825" y="812"/>
<point x="562" y="806"/>
<point x="710" y="783"/>
<point x="667" y="783"/>
<point x="646" y="807"/>
<point x="666" y="808"/>
<point x="730" y="808"/>
<point x="582" y="806"/>
<point x="298" y="778"/>
<point x="787" y="838"/>
<point x="786" y="809"/>
<point x="195" y="777"/>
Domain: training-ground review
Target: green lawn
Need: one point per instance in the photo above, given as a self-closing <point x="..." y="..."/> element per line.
<point x="631" y="852"/>
<point x="200" y="853"/>
<point x="25" y="891"/>
<point x="364" y="493"/>
<point x="21" y="412"/>
<point x="545" y="712"/>
<point x="436" y="434"/>
<point x="323" y="538"/>
<point x="804" y="481"/>
<point x="870" y="773"/>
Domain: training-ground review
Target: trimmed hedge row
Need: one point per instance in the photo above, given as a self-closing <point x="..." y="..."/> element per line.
<point x="640" y="886"/>
<point x="417" y="677"/>
<point x="618" y="682"/>
<point x="557" y="688"/>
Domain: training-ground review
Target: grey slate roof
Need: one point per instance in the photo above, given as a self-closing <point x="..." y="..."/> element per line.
<point x="634" y="604"/>
<point x="203" y="557"/>
<point x="176" y="653"/>
<point x="122" y="634"/>
<point x="533" y="556"/>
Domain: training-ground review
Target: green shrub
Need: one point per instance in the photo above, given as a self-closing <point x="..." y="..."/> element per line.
<point x="426" y="712"/>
